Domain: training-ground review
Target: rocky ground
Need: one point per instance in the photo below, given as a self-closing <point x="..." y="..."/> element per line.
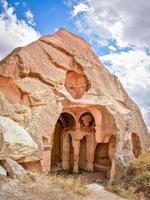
<point x="39" y="187"/>
<point x="33" y="187"/>
<point x="85" y="177"/>
<point x="134" y="185"/>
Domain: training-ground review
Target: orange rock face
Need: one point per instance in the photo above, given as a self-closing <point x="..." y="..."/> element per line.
<point x="73" y="107"/>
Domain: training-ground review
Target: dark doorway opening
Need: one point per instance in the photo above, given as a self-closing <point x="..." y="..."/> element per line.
<point x="64" y="123"/>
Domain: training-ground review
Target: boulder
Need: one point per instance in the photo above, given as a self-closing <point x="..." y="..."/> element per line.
<point x="13" y="168"/>
<point x="15" y="141"/>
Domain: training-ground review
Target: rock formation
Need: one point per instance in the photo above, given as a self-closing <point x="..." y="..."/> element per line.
<point x="73" y="107"/>
<point x="15" y="142"/>
<point x="12" y="168"/>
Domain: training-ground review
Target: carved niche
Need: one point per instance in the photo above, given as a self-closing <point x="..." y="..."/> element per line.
<point x="76" y="84"/>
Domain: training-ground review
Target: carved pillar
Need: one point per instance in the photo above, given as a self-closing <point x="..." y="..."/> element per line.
<point x="46" y="161"/>
<point x="111" y="153"/>
<point x="90" y="151"/>
<point x="66" y="151"/>
<point x="76" y="148"/>
<point x="113" y="169"/>
<point x="98" y="124"/>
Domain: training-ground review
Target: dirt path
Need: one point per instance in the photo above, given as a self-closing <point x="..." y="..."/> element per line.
<point x="99" y="193"/>
<point x="103" y="195"/>
<point x="85" y="177"/>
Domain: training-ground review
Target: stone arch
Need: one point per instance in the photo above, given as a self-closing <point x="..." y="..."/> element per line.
<point x="136" y="146"/>
<point x="104" y="123"/>
<point x="68" y="120"/>
<point x="61" y="139"/>
<point x="97" y="115"/>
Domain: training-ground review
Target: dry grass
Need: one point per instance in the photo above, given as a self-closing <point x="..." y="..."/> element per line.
<point x="135" y="184"/>
<point x="70" y="183"/>
<point x="142" y="163"/>
<point x="39" y="187"/>
<point x="125" y="192"/>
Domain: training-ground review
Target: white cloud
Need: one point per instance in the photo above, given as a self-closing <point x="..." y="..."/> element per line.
<point x="112" y="48"/>
<point x="133" y="70"/>
<point x="13" y="31"/>
<point x="125" y="21"/>
<point x="81" y="7"/>
<point x="30" y="17"/>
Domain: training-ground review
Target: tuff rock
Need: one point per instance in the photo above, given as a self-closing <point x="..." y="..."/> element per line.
<point x="13" y="168"/>
<point x="15" y="142"/>
<point x="76" y="111"/>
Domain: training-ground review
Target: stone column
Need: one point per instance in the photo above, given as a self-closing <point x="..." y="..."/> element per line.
<point x="46" y="161"/>
<point x="76" y="148"/>
<point x="66" y="151"/>
<point x="111" y="153"/>
<point x="113" y="169"/>
<point x="90" y="151"/>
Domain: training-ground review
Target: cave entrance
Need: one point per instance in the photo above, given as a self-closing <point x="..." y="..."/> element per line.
<point x="64" y="125"/>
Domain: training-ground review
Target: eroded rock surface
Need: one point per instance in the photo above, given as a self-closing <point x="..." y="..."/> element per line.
<point x="3" y="171"/>
<point x="13" y="168"/>
<point x="73" y="107"/>
<point x="15" y="142"/>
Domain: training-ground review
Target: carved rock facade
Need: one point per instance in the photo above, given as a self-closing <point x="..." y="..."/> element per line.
<point x="73" y="107"/>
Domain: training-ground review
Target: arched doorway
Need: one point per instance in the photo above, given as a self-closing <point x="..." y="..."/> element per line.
<point x="102" y="161"/>
<point x="105" y="157"/>
<point x="64" y="124"/>
<point x="88" y="142"/>
<point x="136" y="147"/>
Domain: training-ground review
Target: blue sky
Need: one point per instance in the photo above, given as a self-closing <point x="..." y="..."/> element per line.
<point x="49" y="15"/>
<point x="117" y="30"/>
